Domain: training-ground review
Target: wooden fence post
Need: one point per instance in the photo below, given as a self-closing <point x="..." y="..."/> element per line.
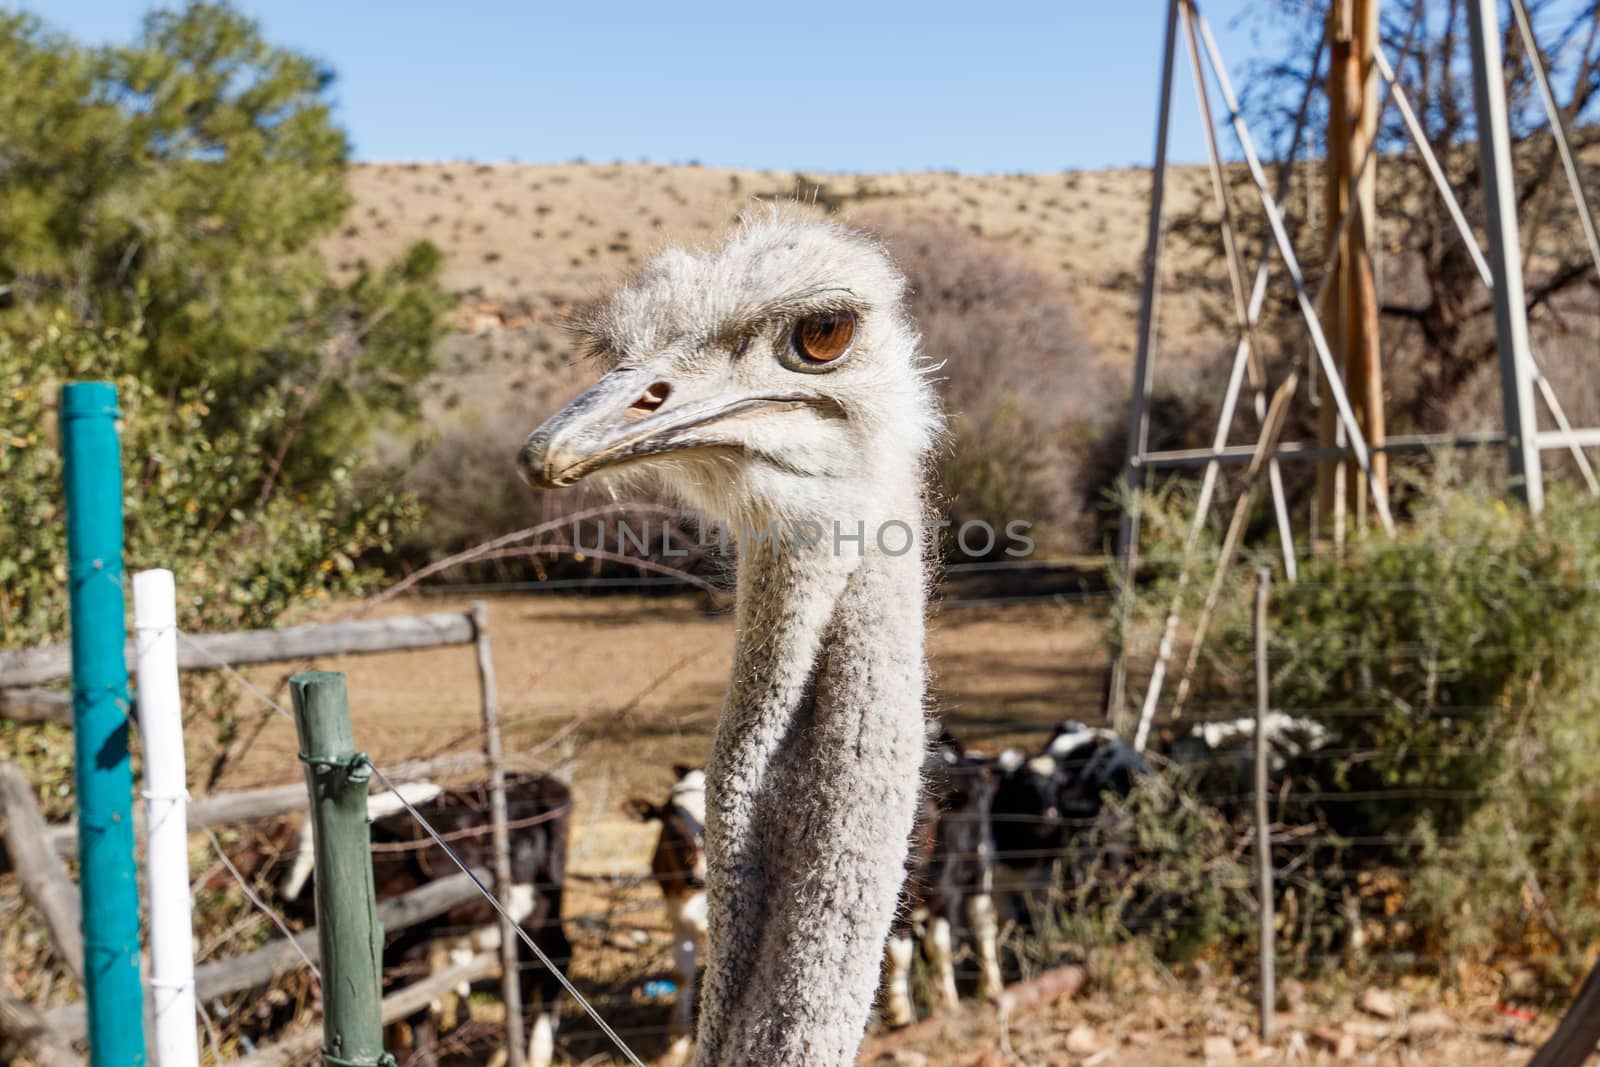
<point x="1268" y="980"/>
<point x="349" y="936"/>
<point x="510" y="979"/>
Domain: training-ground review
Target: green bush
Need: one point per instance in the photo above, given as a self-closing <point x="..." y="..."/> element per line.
<point x="244" y="552"/>
<point x="1428" y="654"/>
<point x="1453" y="667"/>
<point x="1164" y="868"/>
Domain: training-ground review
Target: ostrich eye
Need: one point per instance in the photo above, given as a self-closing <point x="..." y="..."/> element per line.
<point x="824" y="338"/>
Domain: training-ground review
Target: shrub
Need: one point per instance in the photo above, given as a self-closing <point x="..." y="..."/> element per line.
<point x="1026" y="397"/>
<point x="244" y="551"/>
<point x="1453" y="668"/>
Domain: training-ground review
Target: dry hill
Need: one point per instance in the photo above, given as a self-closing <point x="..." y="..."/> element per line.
<point x="523" y="242"/>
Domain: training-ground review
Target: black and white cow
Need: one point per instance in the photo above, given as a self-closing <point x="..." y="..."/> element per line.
<point x="1219" y="757"/>
<point x="949" y="881"/>
<point x="1042" y="802"/>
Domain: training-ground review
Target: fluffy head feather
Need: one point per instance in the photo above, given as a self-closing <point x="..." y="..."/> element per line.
<point x="713" y="331"/>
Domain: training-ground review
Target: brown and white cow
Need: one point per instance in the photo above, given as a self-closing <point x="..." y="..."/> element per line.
<point x="679" y="867"/>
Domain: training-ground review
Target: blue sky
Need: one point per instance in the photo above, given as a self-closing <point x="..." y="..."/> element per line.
<point x="826" y="86"/>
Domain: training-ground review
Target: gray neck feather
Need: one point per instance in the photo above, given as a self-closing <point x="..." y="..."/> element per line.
<point x="812" y="785"/>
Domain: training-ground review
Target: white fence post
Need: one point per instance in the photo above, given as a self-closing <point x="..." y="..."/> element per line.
<point x="155" y="621"/>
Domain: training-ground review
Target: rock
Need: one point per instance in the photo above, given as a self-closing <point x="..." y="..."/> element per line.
<point x="1379" y="1002"/>
<point x="992" y="1058"/>
<point x="1368" y="1032"/>
<point x="1336" y="1041"/>
<point x="1139" y="1038"/>
<point x="910" y="1058"/>
<point x="1083" y="1041"/>
<point x="1291" y="995"/>
<point x="1427" y="1026"/>
<point x="1218" y="1052"/>
<point x="1522" y="982"/>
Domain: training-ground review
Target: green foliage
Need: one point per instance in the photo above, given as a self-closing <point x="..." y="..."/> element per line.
<point x="177" y="189"/>
<point x="1163" y="867"/>
<point x="244" y="551"/>
<point x="1453" y="667"/>
<point x="1427" y="654"/>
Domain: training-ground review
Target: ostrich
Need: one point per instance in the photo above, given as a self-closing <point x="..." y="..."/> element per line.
<point x="774" y="385"/>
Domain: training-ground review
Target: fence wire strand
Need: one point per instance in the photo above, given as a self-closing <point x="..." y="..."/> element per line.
<point x="438" y="839"/>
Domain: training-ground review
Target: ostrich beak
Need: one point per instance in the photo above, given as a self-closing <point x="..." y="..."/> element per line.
<point x="631" y="414"/>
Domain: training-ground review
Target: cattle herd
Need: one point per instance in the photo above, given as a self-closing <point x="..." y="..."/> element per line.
<point x="995" y="835"/>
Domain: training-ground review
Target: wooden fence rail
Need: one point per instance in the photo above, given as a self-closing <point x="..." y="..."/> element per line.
<point x="302" y="1046"/>
<point x="36" y="705"/>
<point x="279" y="957"/>
<point x="29" y="667"/>
<point x="254" y="805"/>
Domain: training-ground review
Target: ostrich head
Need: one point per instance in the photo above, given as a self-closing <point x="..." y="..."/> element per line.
<point x="773" y="379"/>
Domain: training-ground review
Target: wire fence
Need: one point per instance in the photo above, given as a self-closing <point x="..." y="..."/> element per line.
<point x="1352" y="891"/>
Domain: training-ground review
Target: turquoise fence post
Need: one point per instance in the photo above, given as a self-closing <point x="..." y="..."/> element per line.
<point x="106" y="873"/>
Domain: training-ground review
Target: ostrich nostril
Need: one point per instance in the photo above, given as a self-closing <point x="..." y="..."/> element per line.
<point x="652" y="398"/>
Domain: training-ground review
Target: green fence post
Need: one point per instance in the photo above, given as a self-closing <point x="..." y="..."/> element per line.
<point x="349" y="936"/>
<point x="92" y="463"/>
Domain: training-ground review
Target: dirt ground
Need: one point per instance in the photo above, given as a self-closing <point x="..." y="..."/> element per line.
<point x="1162" y="1022"/>
<point x="610" y="692"/>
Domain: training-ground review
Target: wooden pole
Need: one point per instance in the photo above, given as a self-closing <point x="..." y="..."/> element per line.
<point x="1336" y="202"/>
<point x="103" y="777"/>
<point x="155" y="624"/>
<point x="1277" y="416"/>
<point x="1268" y="978"/>
<point x="1350" y="312"/>
<point x="1505" y="257"/>
<point x="1143" y="364"/>
<point x="1364" y="367"/>
<point x="348" y="932"/>
<point x="510" y="977"/>
<point x="44" y="880"/>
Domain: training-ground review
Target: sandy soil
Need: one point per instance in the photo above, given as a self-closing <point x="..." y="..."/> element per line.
<point x="557" y="232"/>
<point x="610" y="692"/>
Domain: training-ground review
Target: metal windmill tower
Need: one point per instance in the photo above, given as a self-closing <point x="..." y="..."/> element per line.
<point x="1341" y="315"/>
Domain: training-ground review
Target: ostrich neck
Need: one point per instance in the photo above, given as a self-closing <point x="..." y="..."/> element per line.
<point x="812" y="785"/>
